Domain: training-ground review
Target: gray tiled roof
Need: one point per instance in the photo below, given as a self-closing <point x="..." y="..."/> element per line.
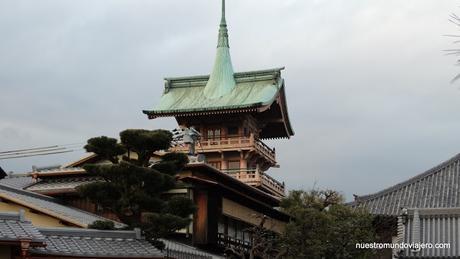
<point x="50" y="206"/>
<point x="18" y="182"/>
<point x="438" y="187"/>
<point x="13" y="227"/>
<point x="61" y="184"/>
<point x="96" y="243"/>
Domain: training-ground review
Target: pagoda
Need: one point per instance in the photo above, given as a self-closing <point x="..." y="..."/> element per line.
<point x="234" y="112"/>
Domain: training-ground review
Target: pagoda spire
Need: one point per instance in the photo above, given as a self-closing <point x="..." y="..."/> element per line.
<point x="221" y="81"/>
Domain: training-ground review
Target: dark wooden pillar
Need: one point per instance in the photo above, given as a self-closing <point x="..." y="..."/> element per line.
<point x="214" y="213"/>
<point x="206" y="217"/>
<point x="200" y="218"/>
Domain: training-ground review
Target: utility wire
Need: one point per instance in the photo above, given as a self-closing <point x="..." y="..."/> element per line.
<point x="33" y="151"/>
<point x="37" y="149"/>
<point x="57" y="148"/>
<point x="41" y="151"/>
<point x="28" y="149"/>
<point x="40" y="154"/>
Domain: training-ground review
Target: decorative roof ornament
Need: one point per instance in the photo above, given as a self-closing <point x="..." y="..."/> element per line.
<point x="222" y="80"/>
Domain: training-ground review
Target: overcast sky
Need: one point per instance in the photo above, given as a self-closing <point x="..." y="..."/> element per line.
<point x="367" y="83"/>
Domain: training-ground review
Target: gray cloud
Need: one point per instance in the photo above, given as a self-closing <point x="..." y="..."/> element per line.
<point x="367" y="84"/>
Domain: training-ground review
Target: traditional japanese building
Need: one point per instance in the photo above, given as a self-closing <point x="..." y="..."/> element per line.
<point x="234" y="112"/>
<point x="426" y="208"/>
<point x="226" y="207"/>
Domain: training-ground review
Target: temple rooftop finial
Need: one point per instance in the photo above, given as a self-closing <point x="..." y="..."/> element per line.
<point x="222" y="20"/>
<point x="221" y="80"/>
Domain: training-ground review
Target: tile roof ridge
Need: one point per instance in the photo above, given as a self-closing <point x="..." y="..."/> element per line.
<point x="58" y="170"/>
<point x="92" y="233"/>
<point x="8" y="215"/>
<point x="237" y="74"/>
<point x="409" y="181"/>
<point x="17" y="175"/>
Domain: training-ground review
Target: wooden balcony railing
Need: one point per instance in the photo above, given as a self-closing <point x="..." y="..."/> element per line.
<point x="232" y="143"/>
<point x="257" y="178"/>
<point x="265" y="150"/>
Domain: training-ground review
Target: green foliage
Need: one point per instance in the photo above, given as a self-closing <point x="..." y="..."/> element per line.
<point x="145" y="142"/>
<point x="179" y="206"/>
<point x="106" y="147"/>
<point x="171" y="163"/>
<point x="386" y="227"/>
<point x="133" y="189"/>
<point x="324" y="227"/>
<point x="158" y="225"/>
<point x="102" y="193"/>
<point x="102" y="225"/>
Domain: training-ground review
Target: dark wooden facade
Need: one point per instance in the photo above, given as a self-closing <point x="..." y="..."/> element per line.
<point x="226" y="207"/>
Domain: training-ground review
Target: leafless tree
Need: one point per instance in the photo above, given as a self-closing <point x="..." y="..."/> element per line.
<point x="455" y="19"/>
<point x="264" y="243"/>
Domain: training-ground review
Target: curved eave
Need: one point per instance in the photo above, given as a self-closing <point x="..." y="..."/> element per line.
<point x="282" y="114"/>
<point x="285" y="113"/>
<point x="197" y="112"/>
<point x="278" y="102"/>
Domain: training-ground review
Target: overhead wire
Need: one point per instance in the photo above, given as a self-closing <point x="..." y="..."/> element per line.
<point x="33" y="151"/>
<point x="41" y="154"/>
<point x="27" y="149"/>
<point x="41" y="151"/>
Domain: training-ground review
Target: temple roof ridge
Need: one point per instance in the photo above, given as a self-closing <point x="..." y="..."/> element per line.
<point x="203" y="79"/>
<point x="420" y="191"/>
<point x="413" y="179"/>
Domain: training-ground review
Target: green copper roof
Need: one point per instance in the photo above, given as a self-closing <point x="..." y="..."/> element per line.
<point x="252" y="89"/>
<point x="224" y="91"/>
<point x="221" y="81"/>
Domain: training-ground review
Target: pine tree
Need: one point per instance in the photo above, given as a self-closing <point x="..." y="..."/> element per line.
<point x="133" y="187"/>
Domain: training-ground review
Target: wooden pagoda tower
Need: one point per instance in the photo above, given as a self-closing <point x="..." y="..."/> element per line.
<point x="233" y="112"/>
